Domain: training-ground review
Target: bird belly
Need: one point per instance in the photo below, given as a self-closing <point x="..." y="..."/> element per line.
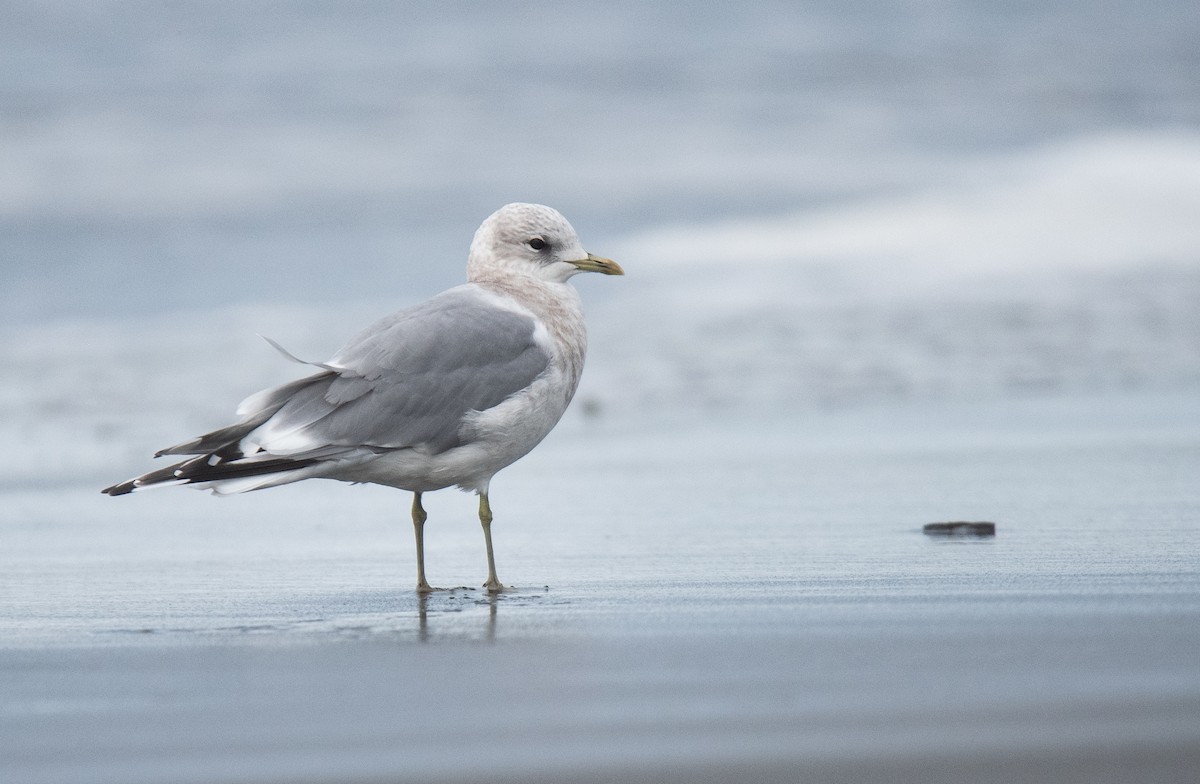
<point x="492" y="440"/>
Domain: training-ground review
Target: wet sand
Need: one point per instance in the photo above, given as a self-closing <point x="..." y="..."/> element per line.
<point x="729" y="601"/>
<point x="1012" y="703"/>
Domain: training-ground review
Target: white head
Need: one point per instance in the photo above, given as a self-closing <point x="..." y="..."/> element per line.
<point x="534" y="240"/>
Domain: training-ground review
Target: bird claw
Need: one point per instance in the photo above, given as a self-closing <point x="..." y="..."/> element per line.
<point x="495" y="586"/>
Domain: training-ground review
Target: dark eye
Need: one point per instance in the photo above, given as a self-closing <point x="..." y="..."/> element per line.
<point x="537" y="243"/>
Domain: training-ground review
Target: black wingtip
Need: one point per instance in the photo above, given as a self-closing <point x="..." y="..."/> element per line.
<point x="186" y="448"/>
<point x="124" y="488"/>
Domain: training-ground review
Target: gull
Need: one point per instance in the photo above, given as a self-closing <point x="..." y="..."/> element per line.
<point x="444" y="393"/>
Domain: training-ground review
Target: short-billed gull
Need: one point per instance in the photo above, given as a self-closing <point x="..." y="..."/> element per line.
<point x="444" y="393"/>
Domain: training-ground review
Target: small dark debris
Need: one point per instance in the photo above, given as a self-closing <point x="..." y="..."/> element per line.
<point x="960" y="528"/>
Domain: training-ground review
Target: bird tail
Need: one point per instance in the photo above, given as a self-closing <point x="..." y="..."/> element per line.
<point x="222" y="466"/>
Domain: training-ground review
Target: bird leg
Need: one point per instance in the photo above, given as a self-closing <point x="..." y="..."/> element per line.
<point x="419" y="516"/>
<point x="485" y="519"/>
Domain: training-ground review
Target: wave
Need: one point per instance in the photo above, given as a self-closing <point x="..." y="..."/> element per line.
<point x="1103" y="201"/>
<point x="1065" y="269"/>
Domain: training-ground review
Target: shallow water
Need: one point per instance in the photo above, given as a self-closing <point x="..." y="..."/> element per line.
<point x="753" y="597"/>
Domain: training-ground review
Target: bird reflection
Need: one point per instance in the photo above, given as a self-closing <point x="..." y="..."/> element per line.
<point x="460" y="602"/>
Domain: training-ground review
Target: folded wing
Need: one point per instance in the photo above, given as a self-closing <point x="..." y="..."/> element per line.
<point x="406" y="382"/>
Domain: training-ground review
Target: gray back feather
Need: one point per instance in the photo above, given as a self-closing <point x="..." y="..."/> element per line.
<point x="409" y="379"/>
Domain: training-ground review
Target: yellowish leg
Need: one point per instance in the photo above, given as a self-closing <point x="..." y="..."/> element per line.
<point x="485" y="519"/>
<point x="419" y="517"/>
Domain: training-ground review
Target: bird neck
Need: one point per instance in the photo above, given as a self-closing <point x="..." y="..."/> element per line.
<point x="557" y="305"/>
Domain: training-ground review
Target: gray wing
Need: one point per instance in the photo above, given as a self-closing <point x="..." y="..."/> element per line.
<point x="409" y="379"/>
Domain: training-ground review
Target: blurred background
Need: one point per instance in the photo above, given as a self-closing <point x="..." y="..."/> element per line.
<point x="818" y="204"/>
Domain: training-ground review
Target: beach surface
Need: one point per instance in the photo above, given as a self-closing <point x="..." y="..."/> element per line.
<point x="750" y="600"/>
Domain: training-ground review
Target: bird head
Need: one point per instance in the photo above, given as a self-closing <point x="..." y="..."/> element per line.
<point x="535" y="240"/>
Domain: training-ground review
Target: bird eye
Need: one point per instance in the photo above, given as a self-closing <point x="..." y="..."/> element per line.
<point x="537" y="243"/>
